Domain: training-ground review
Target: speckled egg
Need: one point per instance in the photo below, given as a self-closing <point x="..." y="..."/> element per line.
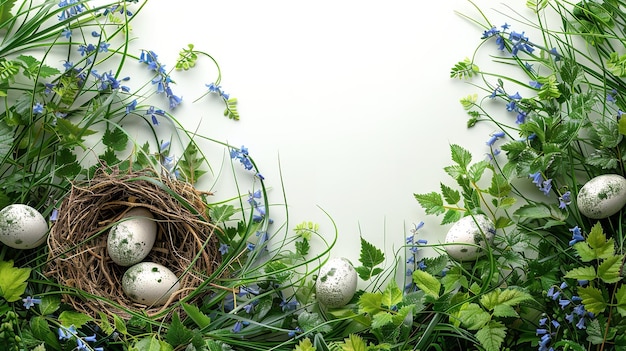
<point x="132" y="238"/>
<point x="602" y="196"/>
<point x="474" y="230"/>
<point x="336" y="283"/>
<point x="22" y="227"/>
<point x="149" y="283"/>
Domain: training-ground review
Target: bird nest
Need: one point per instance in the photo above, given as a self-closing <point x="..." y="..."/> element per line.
<point x="186" y="241"/>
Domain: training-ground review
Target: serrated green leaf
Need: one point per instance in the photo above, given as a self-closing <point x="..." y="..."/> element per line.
<point x="5" y="10"/>
<point x="353" y="343"/>
<point x="41" y="331"/>
<point x="453" y="279"/>
<point x="609" y="269"/>
<point x="596" y="333"/>
<point x="432" y="203"/>
<point x="77" y="319"/>
<point x="371" y="256"/>
<point x="504" y="311"/>
<point x="68" y="166"/>
<point x="477" y="170"/>
<point x="460" y="156"/>
<point x="312" y="321"/>
<point x="533" y="211"/>
<point x="72" y="134"/>
<point x="472" y="316"/>
<point x="451" y="216"/>
<point x="427" y="283"/>
<point x="582" y="273"/>
<point x="6" y="139"/>
<point x="381" y="319"/>
<point x="596" y="246"/>
<point x="509" y="297"/>
<point x="392" y="294"/>
<point x="500" y="187"/>
<point x="177" y="334"/>
<point x="115" y="139"/>
<point x="593" y="299"/>
<point x="370" y="303"/>
<point x="151" y="343"/>
<point x="304" y="345"/>
<point x="12" y="281"/>
<point x="49" y="304"/>
<point x="221" y="213"/>
<point x="491" y="336"/>
<point x="191" y="164"/>
<point x="455" y="171"/>
<point x="451" y="196"/>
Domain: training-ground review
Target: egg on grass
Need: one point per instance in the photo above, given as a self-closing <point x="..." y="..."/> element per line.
<point x="468" y="237"/>
<point x="336" y="283"/>
<point x="602" y="196"/>
<point x="22" y="227"/>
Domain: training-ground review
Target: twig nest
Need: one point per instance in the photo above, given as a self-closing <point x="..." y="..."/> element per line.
<point x="131" y="240"/>
<point x="149" y="283"/>
<point x="336" y="283"/>
<point x="22" y="227"/>
<point x="602" y="196"/>
<point x="467" y="238"/>
<point x="80" y="260"/>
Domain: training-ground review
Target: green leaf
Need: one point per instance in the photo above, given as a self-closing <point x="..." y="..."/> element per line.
<point x="151" y="343"/>
<point x="49" y="304"/>
<point x="504" y="311"/>
<point x="5" y="10"/>
<point x="500" y="187"/>
<point x="312" y="321"/>
<point x="582" y="273"/>
<point x="392" y="294"/>
<point x="221" y="213"/>
<point x="370" y="256"/>
<point x="68" y="166"/>
<point x="41" y="331"/>
<point x="72" y="134"/>
<point x="431" y="202"/>
<point x="35" y="68"/>
<point x="77" y="319"/>
<point x="455" y="171"/>
<point x="620" y="296"/>
<point x="464" y="69"/>
<point x="302" y="247"/>
<point x="381" y="319"/>
<point x="472" y="316"/>
<point x="596" y="333"/>
<point x="460" y="156"/>
<point x="12" y="281"/>
<point x="491" y="336"/>
<point x="609" y="269"/>
<point x="453" y="280"/>
<point x="596" y="246"/>
<point x="450" y="195"/>
<point x="177" y="334"/>
<point x="353" y="343"/>
<point x="533" y="211"/>
<point x="592" y="299"/>
<point x="427" y="283"/>
<point x="370" y="303"/>
<point x="115" y="139"/>
<point x="452" y="216"/>
<point x="231" y="109"/>
<point x="304" y="345"/>
<point x="509" y="297"/>
<point x="191" y="163"/>
<point x="477" y="170"/>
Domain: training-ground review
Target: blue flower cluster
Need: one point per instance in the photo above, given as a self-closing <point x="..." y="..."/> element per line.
<point x="413" y="244"/>
<point x="576" y="315"/>
<point x="545" y="185"/>
<point x="162" y="80"/>
<point x="68" y="333"/>
<point x="217" y="89"/>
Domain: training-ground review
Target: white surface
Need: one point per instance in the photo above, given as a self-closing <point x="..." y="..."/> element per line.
<point x="351" y="98"/>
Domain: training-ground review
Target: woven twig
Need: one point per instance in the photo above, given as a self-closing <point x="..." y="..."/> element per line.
<point x="77" y="242"/>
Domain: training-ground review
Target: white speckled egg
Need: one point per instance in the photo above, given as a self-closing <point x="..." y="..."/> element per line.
<point x="22" y="227"/>
<point x="476" y="230"/>
<point x="149" y="283"/>
<point x="336" y="283"/>
<point x="131" y="240"/>
<point x="602" y="196"/>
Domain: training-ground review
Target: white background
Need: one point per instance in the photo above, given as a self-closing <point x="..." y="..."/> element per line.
<point x="353" y="100"/>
